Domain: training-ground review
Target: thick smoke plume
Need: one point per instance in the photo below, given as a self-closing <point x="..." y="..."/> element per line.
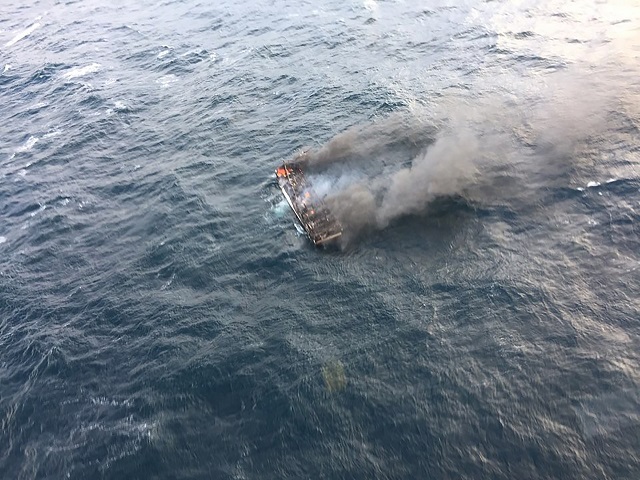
<point x="442" y="169"/>
<point x="371" y="175"/>
<point x="480" y="149"/>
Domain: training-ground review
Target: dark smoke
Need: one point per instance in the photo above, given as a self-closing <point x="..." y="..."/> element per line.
<point x="487" y="149"/>
<point x="365" y="142"/>
<point x="370" y="175"/>
<point x="442" y="169"/>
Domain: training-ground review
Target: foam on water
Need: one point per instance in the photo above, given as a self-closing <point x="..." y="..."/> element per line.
<point x="370" y="5"/>
<point x="78" y="72"/>
<point x="28" y="145"/>
<point x="281" y="209"/>
<point x="167" y="80"/>
<point x="41" y="209"/>
<point x="52" y="134"/>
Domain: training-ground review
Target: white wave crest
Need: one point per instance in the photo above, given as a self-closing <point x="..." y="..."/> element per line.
<point x="28" y="145"/>
<point x="23" y="34"/>
<point x="82" y="71"/>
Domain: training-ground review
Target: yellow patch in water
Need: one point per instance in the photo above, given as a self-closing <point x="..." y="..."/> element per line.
<point x="334" y="377"/>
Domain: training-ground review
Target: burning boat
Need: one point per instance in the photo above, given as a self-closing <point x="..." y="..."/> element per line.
<point x="312" y="213"/>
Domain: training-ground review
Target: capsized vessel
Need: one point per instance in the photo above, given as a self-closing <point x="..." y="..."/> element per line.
<point x="312" y="212"/>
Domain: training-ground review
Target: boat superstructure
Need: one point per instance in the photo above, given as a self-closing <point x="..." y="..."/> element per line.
<point x="312" y="212"/>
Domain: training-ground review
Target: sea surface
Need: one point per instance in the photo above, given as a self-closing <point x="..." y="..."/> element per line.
<point x="161" y="316"/>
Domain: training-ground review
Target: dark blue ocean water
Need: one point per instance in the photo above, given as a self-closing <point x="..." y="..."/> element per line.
<point x="162" y="317"/>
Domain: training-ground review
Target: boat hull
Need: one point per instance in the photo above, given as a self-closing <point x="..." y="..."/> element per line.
<point x="310" y="210"/>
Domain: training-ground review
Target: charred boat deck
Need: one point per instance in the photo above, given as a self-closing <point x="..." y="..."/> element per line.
<point x="312" y="213"/>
